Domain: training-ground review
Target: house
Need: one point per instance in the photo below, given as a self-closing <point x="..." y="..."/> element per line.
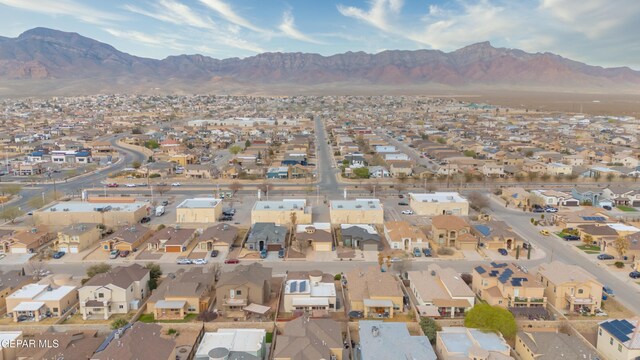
<point x="37" y="301"/>
<point x="309" y="338"/>
<point x="402" y="235"/>
<point x="232" y="344"/>
<point x="316" y="292"/>
<point x="396" y="157"/>
<point x="555" y="198"/>
<point x="24" y="242"/>
<point x="195" y="171"/>
<point x="491" y="169"/>
<point x="586" y="195"/>
<point x="439" y="203"/>
<point x="359" y="211"/>
<point x="78" y="237"/>
<point x="10" y="337"/>
<point x="545" y="345"/>
<point x="247" y="284"/>
<point x="570" y="288"/>
<point x="266" y="236"/>
<point x="619" y="339"/>
<point x="112" y="214"/>
<point x="10" y="281"/>
<point x="124" y="343"/>
<point x="507" y="286"/>
<point x="117" y="291"/>
<point x="401" y="169"/>
<point x="391" y="340"/>
<point x="599" y="233"/>
<point x="188" y="292"/>
<point x="218" y="237"/>
<point x="285" y="212"/>
<point x="199" y="210"/>
<point x="452" y="231"/>
<point x="622" y="195"/>
<point x="559" y="169"/>
<point x="170" y="239"/>
<point x="126" y="238"/>
<point x="280" y="172"/>
<point x="497" y="235"/>
<point x="385" y="149"/>
<point x="317" y="236"/>
<point x="460" y="343"/>
<point x="440" y="292"/>
<point x="374" y="293"/>
<point x="355" y="160"/>
<point x="68" y="345"/>
<point x="363" y="237"/>
<point x="294" y="159"/>
<point x="183" y="159"/>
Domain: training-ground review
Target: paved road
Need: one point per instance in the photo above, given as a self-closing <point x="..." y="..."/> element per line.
<point x="326" y="170"/>
<point x="626" y="292"/>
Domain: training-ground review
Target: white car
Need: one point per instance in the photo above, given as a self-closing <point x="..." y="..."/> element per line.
<point x="130" y="185"/>
<point x="407" y="212"/>
<point x="200" y="261"/>
<point x="175" y="184"/>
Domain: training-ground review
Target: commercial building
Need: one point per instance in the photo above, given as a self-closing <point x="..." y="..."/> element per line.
<point x="199" y="210"/>
<point x="109" y="214"/>
<point x="439" y="203"/>
<point x="284" y="212"/>
<point x="364" y="211"/>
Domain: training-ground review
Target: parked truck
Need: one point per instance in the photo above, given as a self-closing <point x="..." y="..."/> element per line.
<point x="159" y="210"/>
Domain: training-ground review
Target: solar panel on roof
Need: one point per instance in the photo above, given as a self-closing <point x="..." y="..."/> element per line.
<point x="303" y="286"/>
<point x="480" y="270"/>
<point x="293" y="287"/>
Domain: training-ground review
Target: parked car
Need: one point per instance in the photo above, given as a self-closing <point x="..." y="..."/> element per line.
<point x="165" y="203"/>
<point x="634" y="274"/>
<point x="58" y="254"/>
<point x="281" y="253"/>
<point x="176" y="184"/>
<point x="183" y="261"/>
<point x="571" y="238"/>
<point x="503" y="252"/>
<point x="263" y="254"/>
<point x="525" y="245"/>
<point x="112" y="185"/>
<point x="607" y="207"/>
<point x="145" y="220"/>
<point x="401" y="196"/>
<point x="550" y="209"/>
<point x="403" y="203"/>
<point x="226" y="218"/>
<point x="114" y="254"/>
<point x="537" y="209"/>
<point x="229" y="211"/>
<point x="214" y="253"/>
<point x="125" y="253"/>
<point x="200" y="261"/>
<point x="427" y="252"/>
<point x="407" y="212"/>
<point x="232" y="261"/>
<point x="130" y="185"/>
<point x="416" y="252"/>
<point x="605" y="257"/>
<point x="544" y="232"/>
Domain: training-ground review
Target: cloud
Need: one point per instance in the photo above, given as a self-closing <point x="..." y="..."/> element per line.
<point x="175" y="13"/>
<point x="65" y="8"/>
<point x="226" y="11"/>
<point x="288" y="28"/>
<point x="164" y="40"/>
<point x="377" y="15"/>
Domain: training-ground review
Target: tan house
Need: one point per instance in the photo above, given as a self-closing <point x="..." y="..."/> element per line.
<point x="158" y="345"/>
<point x="183" y="159"/>
<point x="27" y="241"/>
<point x="569" y="287"/>
<point x="118" y="291"/>
<point x="365" y="211"/>
<point x="111" y="213"/>
<point x="199" y="210"/>
<point x="460" y="343"/>
<point x="245" y="285"/>
<point x="599" y="233"/>
<point x="316" y="236"/>
<point x="189" y="292"/>
<point x="10" y="281"/>
<point x="452" y="231"/>
<point x="283" y="212"/>
<point x="402" y="235"/>
<point x="306" y="338"/>
<point x="497" y="235"/>
<point x="194" y="171"/>
<point x="619" y="339"/>
<point x="399" y="169"/>
<point x="171" y="240"/>
<point x="549" y="345"/>
<point x="439" y="203"/>
<point x="218" y="237"/>
<point x="36" y="301"/>
<point x="126" y="238"/>
<point x="507" y="286"/>
<point x="78" y="237"/>
<point x="440" y="292"/>
<point x="375" y="293"/>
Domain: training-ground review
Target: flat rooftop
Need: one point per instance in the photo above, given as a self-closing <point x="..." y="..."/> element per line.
<point x="293" y="204"/>
<point x="81" y="206"/>
<point x="445" y="197"/>
<point x="373" y="204"/>
<point x="199" y="203"/>
<point x="237" y="340"/>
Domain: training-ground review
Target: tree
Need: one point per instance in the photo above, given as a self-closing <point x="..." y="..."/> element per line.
<point x="161" y="189"/>
<point x="467" y="278"/>
<point x="11" y="213"/>
<point x="96" y="269"/>
<point x="403" y="265"/>
<point x="235" y="149"/>
<point x="361" y="173"/>
<point x="587" y="239"/>
<point x="247" y="144"/>
<point x="37" y="269"/>
<point x="532" y="175"/>
<point x="235" y="187"/>
<point x="151" y="144"/>
<point x="118" y="323"/>
<point x="478" y="201"/>
<point x="610" y="176"/>
<point x="11" y="189"/>
<point x="470" y="153"/>
<point x="207" y="316"/>
<point x="621" y="244"/>
<point x="494" y="318"/>
<point x="264" y="187"/>
<point x="136" y="164"/>
<point x="429" y="328"/>
<point x="154" y="274"/>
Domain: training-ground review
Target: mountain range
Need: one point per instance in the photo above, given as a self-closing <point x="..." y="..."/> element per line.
<point x="52" y="61"/>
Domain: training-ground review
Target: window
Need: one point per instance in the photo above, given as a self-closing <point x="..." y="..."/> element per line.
<point x="620" y="347"/>
<point x="55" y="310"/>
<point x="238" y="292"/>
<point x="101" y="295"/>
<point x="610" y="341"/>
<point x="600" y="332"/>
<point x="121" y="307"/>
<point x="580" y="291"/>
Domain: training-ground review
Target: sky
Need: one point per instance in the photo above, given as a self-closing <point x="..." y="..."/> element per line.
<point x="598" y="32"/>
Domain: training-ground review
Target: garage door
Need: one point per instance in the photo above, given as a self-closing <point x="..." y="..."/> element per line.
<point x="173" y="249"/>
<point x="73" y="249"/>
<point x="273" y="247"/>
<point x="635" y="203"/>
<point x="18" y="250"/>
<point x="370" y="247"/>
<point x="63" y="249"/>
<point x="322" y="246"/>
<point x="468" y="246"/>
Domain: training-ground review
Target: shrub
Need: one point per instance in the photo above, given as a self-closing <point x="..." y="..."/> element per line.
<point x="445" y="251"/>
<point x="118" y="323"/>
<point x="172" y="331"/>
<point x="429" y="327"/>
<point x="619" y="264"/>
<point x="207" y="316"/>
<point x="494" y="318"/>
<point x="338" y="277"/>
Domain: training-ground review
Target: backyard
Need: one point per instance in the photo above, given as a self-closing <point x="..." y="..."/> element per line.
<point x="149" y="318"/>
<point x="589" y="249"/>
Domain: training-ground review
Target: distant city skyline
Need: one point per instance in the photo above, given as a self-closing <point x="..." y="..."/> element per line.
<point x="598" y="32"/>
